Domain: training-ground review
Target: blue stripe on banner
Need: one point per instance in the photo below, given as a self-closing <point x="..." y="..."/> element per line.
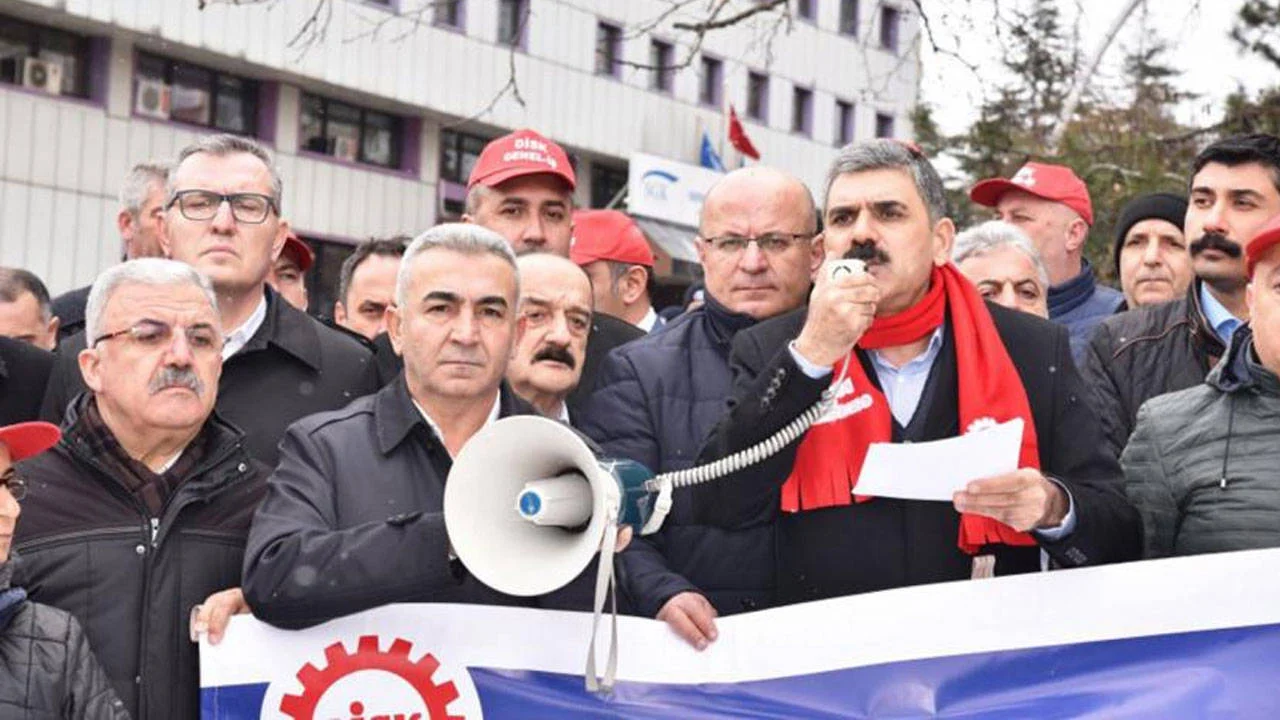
<point x="1220" y="673"/>
<point x="232" y="702"/>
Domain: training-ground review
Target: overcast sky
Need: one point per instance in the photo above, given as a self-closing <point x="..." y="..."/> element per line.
<point x="1196" y="29"/>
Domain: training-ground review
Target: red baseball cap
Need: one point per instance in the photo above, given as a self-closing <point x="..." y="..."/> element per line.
<point x="300" y="250"/>
<point x="1264" y="240"/>
<point x="1058" y="183"/>
<point x="29" y="438"/>
<point x="523" y="152"/>
<point x="608" y="235"/>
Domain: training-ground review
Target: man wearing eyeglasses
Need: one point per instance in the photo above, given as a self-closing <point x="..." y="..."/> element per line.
<point x="661" y="395"/>
<point x="142" y="511"/>
<point x="223" y="218"/>
<point x="47" y="668"/>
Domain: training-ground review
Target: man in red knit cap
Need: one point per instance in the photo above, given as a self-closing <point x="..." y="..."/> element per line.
<point x="923" y="358"/>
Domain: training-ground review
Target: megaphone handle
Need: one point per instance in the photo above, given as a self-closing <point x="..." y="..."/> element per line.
<point x="604" y="587"/>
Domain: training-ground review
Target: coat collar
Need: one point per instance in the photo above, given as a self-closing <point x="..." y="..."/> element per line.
<point x="395" y="416"/>
<point x="289" y="329"/>
<point x="1239" y="369"/>
<point x="1073" y="293"/>
<point x="1202" y="334"/>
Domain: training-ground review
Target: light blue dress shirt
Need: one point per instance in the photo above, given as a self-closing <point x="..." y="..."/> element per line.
<point x="1224" y="324"/>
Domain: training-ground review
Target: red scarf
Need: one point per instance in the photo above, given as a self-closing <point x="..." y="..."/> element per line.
<point x="830" y="456"/>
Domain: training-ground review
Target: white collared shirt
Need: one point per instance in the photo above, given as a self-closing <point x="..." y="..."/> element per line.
<point x="649" y="321"/>
<point x="238" y="338"/>
<point x="493" y="415"/>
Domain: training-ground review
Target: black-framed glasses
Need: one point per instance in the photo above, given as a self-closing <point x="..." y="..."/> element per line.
<point x="201" y="205"/>
<point x="155" y="334"/>
<point x="12" y="480"/>
<point x="770" y="243"/>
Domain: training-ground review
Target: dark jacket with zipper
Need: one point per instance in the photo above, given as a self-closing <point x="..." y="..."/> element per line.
<point x="293" y="366"/>
<point x="888" y="543"/>
<point x="24" y="371"/>
<point x="658" y="399"/>
<point x="1137" y="355"/>
<point x="89" y="547"/>
<point x="1203" y="465"/>
<point x="47" y="669"/>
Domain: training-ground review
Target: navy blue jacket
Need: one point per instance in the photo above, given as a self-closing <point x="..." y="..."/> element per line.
<point x="656" y="401"/>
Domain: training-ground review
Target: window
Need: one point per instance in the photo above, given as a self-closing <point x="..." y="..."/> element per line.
<point x="322" y="278"/>
<point x="351" y="133"/>
<point x="889" y="28"/>
<point x="43" y="59"/>
<point x="606" y="183"/>
<point x="844" y="123"/>
<point x="608" y="49"/>
<point x="172" y="90"/>
<point x="458" y="154"/>
<point x="758" y="96"/>
<point x="884" y="125"/>
<point x="661" y="57"/>
<point x="805" y="9"/>
<point x="450" y="13"/>
<point x="849" y="17"/>
<point x="712" y="81"/>
<point x="512" y="18"/>
<point x="802" y="111"/>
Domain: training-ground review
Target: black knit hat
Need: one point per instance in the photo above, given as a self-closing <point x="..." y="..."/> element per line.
<point x="1160" y="206"/>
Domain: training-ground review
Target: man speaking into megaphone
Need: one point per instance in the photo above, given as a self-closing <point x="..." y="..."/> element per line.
<point x="353" y="516"/>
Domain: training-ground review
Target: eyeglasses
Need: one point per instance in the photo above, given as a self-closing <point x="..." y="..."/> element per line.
<point x="771" y="243"/>
<point x="201" y="205"/>
<point x="17" y="486"/>
<point x="156" y="334"/>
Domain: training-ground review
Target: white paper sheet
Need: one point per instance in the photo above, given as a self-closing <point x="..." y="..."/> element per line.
<point x="936" y="470"/>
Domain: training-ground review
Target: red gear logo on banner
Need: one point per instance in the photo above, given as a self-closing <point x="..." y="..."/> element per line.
<point x="395" y="660"/>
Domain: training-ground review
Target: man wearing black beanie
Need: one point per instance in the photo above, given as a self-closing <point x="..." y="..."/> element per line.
<point x="1150" y="250"/>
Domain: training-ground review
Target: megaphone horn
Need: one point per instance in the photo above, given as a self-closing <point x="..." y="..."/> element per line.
<point x="528" y="487"/>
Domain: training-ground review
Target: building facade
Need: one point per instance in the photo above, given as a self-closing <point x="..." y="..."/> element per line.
<point x="376" y="109"/>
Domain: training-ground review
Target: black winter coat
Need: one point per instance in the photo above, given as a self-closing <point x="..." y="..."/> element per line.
<point x="357" y="501"/>
<point x="69" y="309"/>
<point x="1137" y="355"/>
<point x="24" y="372"/>
<point x="888" y="543"/>
<point x="47" y="670"/>
<point x="90" y="548"/>
<point x="658" y="399"/>
<point x="293" y="366"/>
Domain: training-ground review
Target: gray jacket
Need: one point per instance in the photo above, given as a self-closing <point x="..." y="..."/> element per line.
<point x="1203" y="464"/>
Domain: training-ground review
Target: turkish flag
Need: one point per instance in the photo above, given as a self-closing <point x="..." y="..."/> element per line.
<point x="738" y="136"/>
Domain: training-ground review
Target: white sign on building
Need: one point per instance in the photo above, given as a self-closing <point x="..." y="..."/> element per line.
<point x="667" y="190"/>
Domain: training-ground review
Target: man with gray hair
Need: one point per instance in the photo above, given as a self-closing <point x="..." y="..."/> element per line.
<point x="156" y="489"/>
<point x="915" y="355"/>
<point x="138" y="222"/>
<point x="25" y="312"/>
<point x="325" y="542"/>
<point x="1000" y="260"/>
<point x="223" y="218"/>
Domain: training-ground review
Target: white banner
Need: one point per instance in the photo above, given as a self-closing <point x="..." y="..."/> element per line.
<point x="667" y="190"/>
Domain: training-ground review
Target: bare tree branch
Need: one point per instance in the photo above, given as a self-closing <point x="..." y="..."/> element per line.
<point x="713" y="23"/>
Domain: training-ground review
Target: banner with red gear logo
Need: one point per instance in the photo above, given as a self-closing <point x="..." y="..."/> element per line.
<point x="1183" y="637"/>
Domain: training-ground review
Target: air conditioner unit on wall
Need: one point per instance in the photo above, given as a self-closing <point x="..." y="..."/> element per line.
<point x="42" y="75"/>
<point x="152" y="99"/>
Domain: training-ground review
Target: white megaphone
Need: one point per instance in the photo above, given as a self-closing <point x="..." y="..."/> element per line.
<point x="528" y="504"/>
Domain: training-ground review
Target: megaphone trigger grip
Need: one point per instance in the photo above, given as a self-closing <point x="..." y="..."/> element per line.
<point x="661" y="506"/>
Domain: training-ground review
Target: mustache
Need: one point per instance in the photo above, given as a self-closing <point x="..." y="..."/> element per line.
<point x="1215" y="241"/>
<point x="170" y="376"/>
<point x="866" y="252"/>
<point x="556" y="353"/>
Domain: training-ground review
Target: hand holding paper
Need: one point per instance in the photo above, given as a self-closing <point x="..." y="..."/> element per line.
<point x="937" y="470"/>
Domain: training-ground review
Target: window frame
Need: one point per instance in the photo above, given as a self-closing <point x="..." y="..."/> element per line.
<point x="613" y="33"/>
<point x="881" y="119"/>
<point x="596" y="180"/>
<point x="251" y="95"/>
<point x="83" y="52"/>
<point x="438" y="20"/>
<point x="522" y="25"/>
<point x="812" y="16"/>
<point x="708" y="61"/>
<point x="841" y="28"/>
<point x="459" y="138"/>
<point x="662" y="77"/>
<point x="802" y="122"/>
<point x="892" y="42"/>
<point x="762" y="113"/>
<point x="845" y="131"/>
<point x="399" y="139"/>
